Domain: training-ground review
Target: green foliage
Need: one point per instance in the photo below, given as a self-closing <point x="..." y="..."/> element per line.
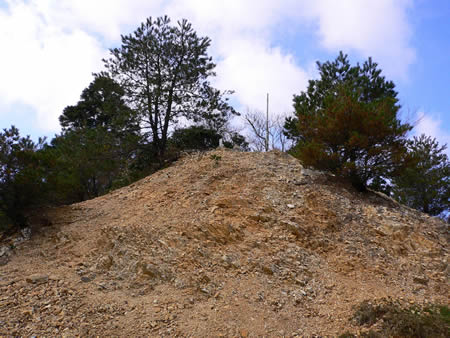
<point x="201" y="138"/>
<point x="346" y="122"/>
<point x="6" y="223"/>
<point x="119" y="129"/>
<point x="444" y="312"/>
<point x="84" y="164"/>
<point x="234" y="139"/>
<point x="164" y="70"/>
<point x="21" y="177"/>
<point x="102" y="105"/>
<point x="216" y="159"/>
<point x="98" y="146"/>
<point x="195" y="138"/>
<point x="425" y="185"/>
<point x="398" y="321"/>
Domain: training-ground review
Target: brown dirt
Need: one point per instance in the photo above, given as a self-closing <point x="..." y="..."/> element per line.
<point x="248" y="244"/>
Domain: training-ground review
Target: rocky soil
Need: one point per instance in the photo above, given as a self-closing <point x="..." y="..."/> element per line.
<point x="220" y="244"/>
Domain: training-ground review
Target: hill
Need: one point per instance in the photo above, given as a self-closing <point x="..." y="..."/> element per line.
<point x="221" y="243"/>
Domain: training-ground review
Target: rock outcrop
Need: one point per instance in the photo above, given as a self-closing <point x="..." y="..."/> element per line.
<point x="226" y="244"/>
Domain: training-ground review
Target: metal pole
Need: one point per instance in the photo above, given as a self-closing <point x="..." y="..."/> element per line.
<point x="267" y="124"/>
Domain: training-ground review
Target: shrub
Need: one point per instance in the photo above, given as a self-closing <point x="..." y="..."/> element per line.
<point x="398" y="321"/>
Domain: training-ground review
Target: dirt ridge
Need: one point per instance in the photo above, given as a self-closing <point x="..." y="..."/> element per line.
<point x="222" y="243"/>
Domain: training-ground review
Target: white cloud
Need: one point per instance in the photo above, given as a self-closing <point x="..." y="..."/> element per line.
<point x="53" y="46"/>
<point x="242" y="34"/>
<point x="254" y="69"/>
<point x="106" y="18"/>
<point x="373" y="28"/>
<point x="43" y="66"/>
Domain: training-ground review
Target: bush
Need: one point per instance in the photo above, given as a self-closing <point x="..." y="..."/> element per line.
<point x="195" y="138"/>
<point x="398" y="321"/>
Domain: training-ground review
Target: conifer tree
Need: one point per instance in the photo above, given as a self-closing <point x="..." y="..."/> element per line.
<point x="99" y="142"/>
<point x="165" y="71"/>
<point x="346" y="122"/>
<point x="21" y="173"/>
<point x="426" y="184"/>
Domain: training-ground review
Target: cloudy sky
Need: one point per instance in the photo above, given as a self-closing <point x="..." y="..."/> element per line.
<point x="50" y="48"/>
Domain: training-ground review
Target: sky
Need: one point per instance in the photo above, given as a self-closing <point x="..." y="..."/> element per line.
<point x="50" y="48"/>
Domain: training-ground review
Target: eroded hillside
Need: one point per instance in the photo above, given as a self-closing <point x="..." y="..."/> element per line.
<point x="225" y="244"/>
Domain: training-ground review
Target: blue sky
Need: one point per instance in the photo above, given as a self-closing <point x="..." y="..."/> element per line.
<point x="50" y="48"/>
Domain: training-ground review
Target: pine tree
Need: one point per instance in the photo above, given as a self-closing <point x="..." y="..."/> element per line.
<point x="164" y="70"/>
<point x="346" y="122"/>
<point x="426" y="184"/>
<point x="21" y="177"/>
<point x="102" y="104"/>
<point x="99" y="143"/>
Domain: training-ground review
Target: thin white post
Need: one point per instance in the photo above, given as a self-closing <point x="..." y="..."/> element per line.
<point x="267" y="124"/>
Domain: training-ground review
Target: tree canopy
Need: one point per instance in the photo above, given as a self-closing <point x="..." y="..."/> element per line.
<point x="164" y="70"/>
<point x="101" y="105"/>
<point x="346" y="122"/>
<point x="129" y="122"/>
<point x="121" y="127"/>
<point x="20" y="173"/>
<point x="99" y="142"/>
<point x="426" y="184"/>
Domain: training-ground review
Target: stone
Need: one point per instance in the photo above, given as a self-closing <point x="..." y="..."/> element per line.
<point x="105" y="263"/>
<point x="87" y="279"/>
<point x="244" y="333"/>
<point x="4" y="260"/>
<point x="150" y="270"/>
<point x="383" y="230"/>
<point x="291" y="206"/>
<point x="4" y="250"/>
<point x="179" y="283"/>
<point x="37" y="279"/>
<point x="267" y="270"/>
<point x="420" y="280"/>
<point x="294" y="228"/>
<point x="308" y="172"/>
<point x="26" y="233"/>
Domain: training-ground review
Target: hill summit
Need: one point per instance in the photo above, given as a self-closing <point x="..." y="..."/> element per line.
<point x="221" y="243"/>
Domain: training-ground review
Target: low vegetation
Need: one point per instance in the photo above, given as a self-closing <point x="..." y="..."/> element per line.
<point x="394" y="320"/>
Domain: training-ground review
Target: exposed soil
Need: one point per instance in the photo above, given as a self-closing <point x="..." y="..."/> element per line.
<point x="220" y="244"/>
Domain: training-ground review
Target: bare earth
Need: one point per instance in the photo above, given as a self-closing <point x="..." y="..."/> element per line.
<point x="235" y="244"/>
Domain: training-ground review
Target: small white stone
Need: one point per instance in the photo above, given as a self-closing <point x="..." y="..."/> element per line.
<point x="291" y="206"/>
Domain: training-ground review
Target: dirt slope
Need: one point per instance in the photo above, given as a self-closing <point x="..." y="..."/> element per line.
<point x="220" y="244"/>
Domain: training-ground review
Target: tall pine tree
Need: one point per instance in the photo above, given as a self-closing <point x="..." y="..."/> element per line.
<point x="165" y="71"/>
<point x="346" y="122"/>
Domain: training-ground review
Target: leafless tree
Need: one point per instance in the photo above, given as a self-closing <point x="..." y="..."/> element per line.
<point x="256" y="121"/>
